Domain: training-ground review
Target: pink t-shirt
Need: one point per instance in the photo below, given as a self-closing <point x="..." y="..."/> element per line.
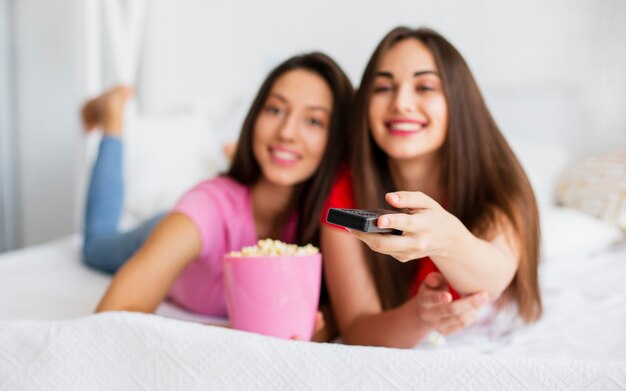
<point x="221" y="209"/>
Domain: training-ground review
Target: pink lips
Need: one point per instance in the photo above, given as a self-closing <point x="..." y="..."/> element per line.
<point x="283" y="156"/>
<point x="404" y="126"/>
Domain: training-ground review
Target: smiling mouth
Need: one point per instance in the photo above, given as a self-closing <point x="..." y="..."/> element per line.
<point x="402" y="127"/>
<point x="283" y="156"/>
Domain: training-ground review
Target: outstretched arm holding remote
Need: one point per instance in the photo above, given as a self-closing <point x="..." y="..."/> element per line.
<point x="469" y="263"/>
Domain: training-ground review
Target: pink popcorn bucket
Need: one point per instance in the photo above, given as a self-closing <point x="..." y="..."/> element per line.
<point x="273" y="295"/>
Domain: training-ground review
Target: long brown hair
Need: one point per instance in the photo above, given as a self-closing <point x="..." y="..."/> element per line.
<point x="481" y="176"/>
<point x="309" y="196"/>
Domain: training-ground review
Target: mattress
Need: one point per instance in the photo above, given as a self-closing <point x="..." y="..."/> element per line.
<point x="124" y="351"/>
<point x="49" y="338"/>
<point x="49" y="281"/>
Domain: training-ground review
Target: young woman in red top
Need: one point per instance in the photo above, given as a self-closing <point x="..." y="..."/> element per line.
<point x="426" y="145"/>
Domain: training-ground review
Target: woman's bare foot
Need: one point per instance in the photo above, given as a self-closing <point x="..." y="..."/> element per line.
<point x="107" y="111"/>
<point x="229" y="150"/>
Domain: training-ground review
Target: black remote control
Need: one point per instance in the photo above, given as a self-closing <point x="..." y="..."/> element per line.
<point x="360" y="219"/>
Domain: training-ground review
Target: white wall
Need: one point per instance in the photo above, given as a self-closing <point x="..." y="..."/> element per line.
<point x="551" y="70"/>
<point x="8" y="196"/>
<point x="6" y="144"/>
<point x="47" y="76"/>
<point x="556" y="67"/>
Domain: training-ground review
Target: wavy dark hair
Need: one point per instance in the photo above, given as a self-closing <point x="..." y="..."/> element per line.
<point x="480" y="175"/>
<point x="309" y="197"/>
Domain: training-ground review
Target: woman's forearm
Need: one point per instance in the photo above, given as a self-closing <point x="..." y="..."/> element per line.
<point x="393" y="328"/>
<point x="472" y="264"/>
<point x="145" y="280"/>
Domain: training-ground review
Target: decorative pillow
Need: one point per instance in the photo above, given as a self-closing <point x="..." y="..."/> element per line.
<point x="567" y="232"/>
<point x="597" y="185"/>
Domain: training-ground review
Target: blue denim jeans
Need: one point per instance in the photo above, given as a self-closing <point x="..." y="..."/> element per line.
<point x="104" y="246"/>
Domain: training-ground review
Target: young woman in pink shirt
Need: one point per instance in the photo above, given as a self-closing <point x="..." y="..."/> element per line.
<point x="291" y="145"/>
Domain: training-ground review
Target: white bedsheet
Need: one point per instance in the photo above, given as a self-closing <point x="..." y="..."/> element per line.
<point x="120" y="351"/>
<point x="49" y="282"/>
<point x="584" y="298"/>
<point x="48" y="340"/>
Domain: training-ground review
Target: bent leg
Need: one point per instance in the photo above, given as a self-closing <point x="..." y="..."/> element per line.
<point x="108" y="252"/>
<point x="105" y="196"/>
<point x="104" y="246"/>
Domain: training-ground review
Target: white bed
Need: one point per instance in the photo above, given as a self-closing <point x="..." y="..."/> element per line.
<point x="49" y="339"/>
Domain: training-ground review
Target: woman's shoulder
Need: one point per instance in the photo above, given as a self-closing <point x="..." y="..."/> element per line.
<point x="221" y="190"/>
<point x="221" y="184"/>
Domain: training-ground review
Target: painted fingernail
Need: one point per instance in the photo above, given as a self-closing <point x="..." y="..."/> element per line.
<point x="383" y="221"/>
